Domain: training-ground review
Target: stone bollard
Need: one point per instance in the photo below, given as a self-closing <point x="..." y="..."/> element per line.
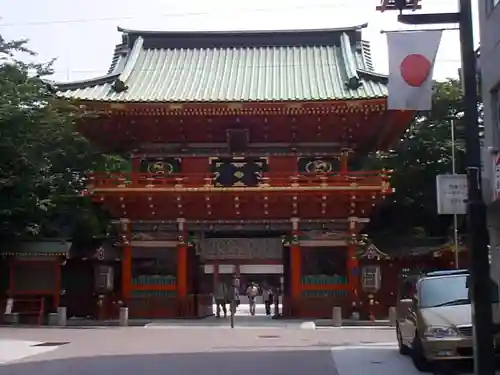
<point x="12" y="318"/>
<point x="123" y="316"/>
<point x="337" y="316"/>
<point x="392" y="316"/>
<point x="61" y="316"/>
<point x="53" y="319"/>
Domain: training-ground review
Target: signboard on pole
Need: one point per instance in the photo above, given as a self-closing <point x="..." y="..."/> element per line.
<point x="451" y="194"/>
<point x="496" y="176"/>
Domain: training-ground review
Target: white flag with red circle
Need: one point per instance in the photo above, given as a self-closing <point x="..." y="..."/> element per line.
<point x="411" y="63"/>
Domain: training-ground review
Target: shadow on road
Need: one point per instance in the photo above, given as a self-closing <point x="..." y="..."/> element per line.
<point x="316" y="362"/>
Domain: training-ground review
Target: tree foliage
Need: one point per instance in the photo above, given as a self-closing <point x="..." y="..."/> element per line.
<point x="43" y="159"/>
<point x="424" y="152"/>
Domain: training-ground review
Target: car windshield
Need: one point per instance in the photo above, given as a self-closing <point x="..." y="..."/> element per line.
<point x="444" y="291"/>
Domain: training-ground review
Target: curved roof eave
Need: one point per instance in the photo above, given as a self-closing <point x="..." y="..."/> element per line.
<point x="242" y="32"/>
<point x="372" y="75"/>
<point x="109" y="78"/>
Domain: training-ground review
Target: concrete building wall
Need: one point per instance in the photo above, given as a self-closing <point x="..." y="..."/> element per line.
<point x="489" y="23"/>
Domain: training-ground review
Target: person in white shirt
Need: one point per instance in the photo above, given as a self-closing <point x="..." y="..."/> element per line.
<point x="252" y="293"/>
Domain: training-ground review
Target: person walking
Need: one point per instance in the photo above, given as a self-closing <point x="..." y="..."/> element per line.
<point x="267" y="296"/>
<point x="220" y="296"/>
<point x="252" y="293"/>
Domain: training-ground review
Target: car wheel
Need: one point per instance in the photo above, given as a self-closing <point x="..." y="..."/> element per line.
<point x="403" y="349"/>
<point x="417" y="355"/>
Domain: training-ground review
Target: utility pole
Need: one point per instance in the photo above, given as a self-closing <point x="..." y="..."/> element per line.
<point x="484" y="361"/>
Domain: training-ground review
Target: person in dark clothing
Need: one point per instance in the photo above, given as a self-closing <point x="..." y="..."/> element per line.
<point x="267" y="296"/>
<point x="220" y="296"/>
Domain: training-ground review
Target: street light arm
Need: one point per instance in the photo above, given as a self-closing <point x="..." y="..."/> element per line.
<point x="429" y="18"/>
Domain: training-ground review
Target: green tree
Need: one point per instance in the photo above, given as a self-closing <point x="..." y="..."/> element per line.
<point x="424" y="152"/>
<point x="43" y="159"/>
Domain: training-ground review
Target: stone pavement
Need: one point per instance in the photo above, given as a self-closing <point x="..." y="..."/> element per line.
<point x="240" y="322"/>
<point x="242" y="319"/>
<point x="207" y="351"/>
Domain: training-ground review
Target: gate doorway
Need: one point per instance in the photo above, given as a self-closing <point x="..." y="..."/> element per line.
<point x="261" y="274"/>
<point x="256" y="259"/>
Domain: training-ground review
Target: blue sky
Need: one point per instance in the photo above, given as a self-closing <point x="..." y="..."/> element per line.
<point x="82" y="35"/>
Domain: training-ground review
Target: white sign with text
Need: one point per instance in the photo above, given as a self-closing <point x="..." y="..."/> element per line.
<point x="451" y="194"/>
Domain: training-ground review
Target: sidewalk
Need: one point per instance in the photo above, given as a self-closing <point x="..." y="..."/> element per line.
<point x="14" y="350"/>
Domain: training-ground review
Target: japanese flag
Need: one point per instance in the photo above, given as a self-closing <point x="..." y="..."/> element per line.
<point x="411" y="62"/>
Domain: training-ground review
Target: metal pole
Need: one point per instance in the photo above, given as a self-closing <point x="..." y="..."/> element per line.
<point x="232" y="306"/>
<point x="234" y="296"/>
<point x="484" y="362"/>
<point x="455" y="216"/>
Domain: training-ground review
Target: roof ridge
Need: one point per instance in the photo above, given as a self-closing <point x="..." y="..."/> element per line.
<point x="130" y="63"/>
<point x="119" y="52"/>
<point x="236" y="32"/>
<point x="352" y="82"/>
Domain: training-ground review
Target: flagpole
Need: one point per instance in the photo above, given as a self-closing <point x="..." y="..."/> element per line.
<point x="482" y="319"/>
<point x="454" y="172"/>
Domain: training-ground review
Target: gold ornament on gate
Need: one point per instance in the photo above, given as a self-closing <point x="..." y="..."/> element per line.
<point x="319" y="166"/>
<point x="160" y="167"/>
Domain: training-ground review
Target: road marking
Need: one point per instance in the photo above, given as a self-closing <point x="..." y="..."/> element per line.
<point x="14" y="350"/>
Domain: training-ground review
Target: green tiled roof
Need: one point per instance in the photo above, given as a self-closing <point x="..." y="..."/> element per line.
<point x="310" y="65"/>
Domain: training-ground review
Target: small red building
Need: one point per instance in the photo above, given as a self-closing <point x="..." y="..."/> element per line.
<point x="247" y="150"/>
<point x="382" y="271"/>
